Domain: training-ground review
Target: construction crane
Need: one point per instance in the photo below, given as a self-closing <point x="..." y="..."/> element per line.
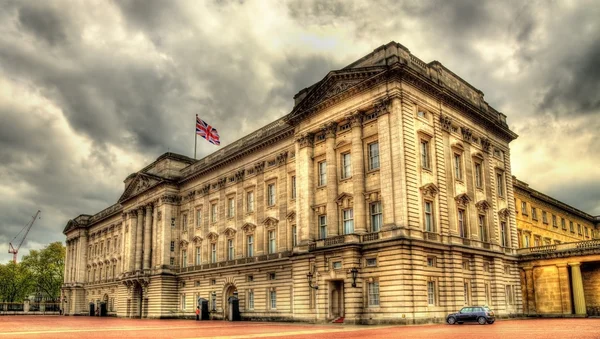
<point x="13" y="250"/>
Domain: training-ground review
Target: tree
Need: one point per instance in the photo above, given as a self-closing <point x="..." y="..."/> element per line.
<point x="47" y="268"/>
<point x="15" y="282"/>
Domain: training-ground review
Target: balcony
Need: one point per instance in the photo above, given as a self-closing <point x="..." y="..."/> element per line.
<point x="570" y="246"/>
<point x="234" y="263"/>
<point x="336" y="241"/>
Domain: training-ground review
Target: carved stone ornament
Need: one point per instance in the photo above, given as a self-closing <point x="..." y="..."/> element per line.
<point x="239" y="175"/>
<point x="485" y="144"/>
<point x="205" y="189"/>
<point x="291" y="216"/>
<point x="320" y="209"/>
<point x="372" y="196"/>
<point x="446" y="122"/>
<point x="345" y="200"/>
<point x="330" y="129"/>
<point x="429" y="190"/>
<point x="462" y="200"/>
<point x="270" y="222"/>
<point x="248" y="227"/>
<point x="170" y="198"/>
<point x="282" y="158"/>
<point x="382" y="106"/>
<point x="504" y="214"/>
<point x="305" y="140"/>
<point x="338" y="87"/>
<point x="259" y="167"/>
<point x="467" y="134"/>
<point x="221" y="182"/>
<point x="356" y="119"/>
<point x="483" y="206"/>
<point x="197" y="240"/>
<point x="183" y="243"/>
<point x="212" y="237"/>
<point x="159" y="215"/>
<point x="229" y="232"/>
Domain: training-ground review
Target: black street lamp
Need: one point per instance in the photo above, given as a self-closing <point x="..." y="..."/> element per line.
<point x="309" y="276"/>
<point x="354" y="272"/>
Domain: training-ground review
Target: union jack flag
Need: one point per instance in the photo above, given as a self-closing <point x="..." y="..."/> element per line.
<point x="207" y="132"/>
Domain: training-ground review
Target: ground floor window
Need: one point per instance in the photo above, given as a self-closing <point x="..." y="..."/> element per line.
<point x="373" y="295"/>
<point x="183" y="301"/>
<point x="431" y="293"/>
<point x="250" y="299"/>
<point x="273" y="299"/>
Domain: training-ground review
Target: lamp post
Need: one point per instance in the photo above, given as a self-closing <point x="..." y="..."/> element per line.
<point x="354" y="272"/>
<point x="309" y="276"/>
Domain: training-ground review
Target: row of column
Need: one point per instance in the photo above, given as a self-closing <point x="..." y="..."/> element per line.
<point x="141" y="225"/>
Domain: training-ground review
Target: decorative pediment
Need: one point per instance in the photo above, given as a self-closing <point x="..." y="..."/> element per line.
<point x="345" y="200"/>
<point x="291" y="216"/>
<point x="504" y="214"/>
<point x="270" y="222"/>
<point x="320" y="209"/>
<point x="248" y="227"/>
<point x="478" y="155"/>
<point x="183" y="243"/>
<point x="229" y="232"/>
<point x="429" y="190"/>
<point x="462" y="200"/>
<point x="372" y="196"/>
<point x="212" y="237"/>
<point x="139" y="184"/>
<point x="197" y="240"/>
<point x="483" y="205"/>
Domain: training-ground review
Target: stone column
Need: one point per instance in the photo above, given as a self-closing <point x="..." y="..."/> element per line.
<point x="67" y="261"/>
<point x="82" y="258"/>
<point x="139" y="239"/>
<point x="386" y="170"/>
<point x="147" y="236"/>
<point x="132" y="239"/>
<point x="358" y="174"/>
<point x="530" y="290"/>
<point x="565" y="288"/>
<point x="305" y="188"/>
<point x="332" y="185"/>
<point x="577" y="282"/>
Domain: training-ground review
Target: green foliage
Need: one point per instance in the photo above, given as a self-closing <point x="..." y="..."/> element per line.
<point x="39" y="272"/>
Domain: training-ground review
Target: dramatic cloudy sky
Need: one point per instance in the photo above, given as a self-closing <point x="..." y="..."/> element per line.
<point x="91" y="91"/>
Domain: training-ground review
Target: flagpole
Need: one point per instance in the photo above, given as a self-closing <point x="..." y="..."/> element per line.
<point x="195" y="136"/>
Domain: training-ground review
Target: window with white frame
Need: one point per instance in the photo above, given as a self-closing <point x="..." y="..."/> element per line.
<point x="213" y="301"/>
<point x="322" y="226"/>
<point x="373" y="294"/>
<point x="483" y="236"/>
<point x="231" y="207"/>
<point x="424" y="150"/>
<point x="431" y="299"/>
<point x="524" y="207"/>
<point x="467" y="292"/>
<point x="322" y="168"/>
<point x="294" y="235"/>
<point x="214" y="210"/>
<point x="271" y="194"/>
<point x="250" y="245"/>
<point x="272" y="242"/>
<point x="428" y="216"/>
<point x="457" y="166"/>
<point x="293" y="187"/>
<point x="184" y="222"/>
<point x="478" y="175"/>
<point x="183" y="301"/>
<point x="250" y="201"/>
<point x="250" y="299"/>
<point x="376" y="216"/>
<point x="544" y="217"/>
<point x="213" y="252"/>
<point x="230" y="250"/>
<point x="500" y="184"/>
<point x="184" y="258"/>
<point x="373" y="155"/>
<point x="348" y="218"/>
<point x="198" y="218"/>
<point x="273" y="298"/>
<point x="462" y="229"/>
<point x="534" y="213"/>
<point x="346" y="166"/>
<point x="198" y="255"/>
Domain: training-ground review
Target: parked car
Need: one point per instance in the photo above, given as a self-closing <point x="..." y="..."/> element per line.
<point x="480" y="314"/>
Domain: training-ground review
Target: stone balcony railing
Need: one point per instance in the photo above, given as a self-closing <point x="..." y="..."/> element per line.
<point x="234" y="262"/>
<point x="580" y="245"/>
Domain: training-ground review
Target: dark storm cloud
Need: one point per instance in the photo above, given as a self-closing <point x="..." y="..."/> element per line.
<point x="44" y="23"/>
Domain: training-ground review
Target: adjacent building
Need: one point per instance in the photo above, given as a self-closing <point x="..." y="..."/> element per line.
<point x="384" y="196"/>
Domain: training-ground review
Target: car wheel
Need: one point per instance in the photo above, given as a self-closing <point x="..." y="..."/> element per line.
<point x="481" y="320"/>
<point x="451" y="320"/>
<point x="491" y="322"/>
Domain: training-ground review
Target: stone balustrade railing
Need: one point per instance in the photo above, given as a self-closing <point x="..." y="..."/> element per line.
<point x="561" y="247"/>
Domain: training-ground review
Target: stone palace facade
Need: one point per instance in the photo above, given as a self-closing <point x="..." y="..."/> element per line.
<point x="384" y="196"/>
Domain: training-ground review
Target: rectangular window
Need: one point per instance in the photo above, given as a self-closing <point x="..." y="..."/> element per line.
<point x="425" y="154"/>
<point x="213" y="301"/>
<point x="431" y="293"/>
<point x="213" y="252"/>
<point x="271" y="194"/>
<point x="373" y="156"/>
<point x="428" y="209"/>
<point x="322" y="173"/>
<point x="184" y="258"/>
<point x="348" y="216"/>
<point x="323" y="226"/>
<point x="467" y="294"/>
<point x="509" y="295"/>
<point x="250" y="299"/>
<point x="554" y="221"/>
<point x="108" y="243"/>
<point x="571" y="227"/>
<point x="337" y="265"/>
<point x="214" y="210"/>
<point x="500" y="184"/>
<point x="534" y="213"/>
<point x="482" y="229"/>
<point x="294" y="236"/>
<point x="478" y="175"/>
<point x="184" y="222"/>
<point x="461" y="224"/>
<point x="198" y="256"/>
<point x="198" y="218"/>
<point x="431" y="261"/>
<point x="586" y="230"/>
<point x="250" y="202"/>
<point x="183" y="301"/>
<point x="250" y="245"/>
<point x="346" y="166"/>
<point x="172" y="246"/>
<point x="488" y="295"/>
<point x="526" y="240"/>
<point x="273" y="298"/>
<point x="272" y="244"/>
<point x="537" y="241"/>
<point x="376" y="216"/>
<point x="373" y="296"/>
<point x="294" y="187"/>
<point x="524" y="207"/>
<point x="371" y="262"/>
<point x="171" y="261"/>
<point x="457" y="166"/>
<point x="172" y="222"/>
<point x="230" y="250"/>
<point x="578" y="228"/>
<point x="231" y="207"/>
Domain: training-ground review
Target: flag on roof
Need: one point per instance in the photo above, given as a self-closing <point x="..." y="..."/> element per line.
<point x="207" y="132"/>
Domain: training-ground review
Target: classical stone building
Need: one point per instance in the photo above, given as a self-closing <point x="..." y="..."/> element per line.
<point x="543" y="220"/>
<point x="388" y="186"/>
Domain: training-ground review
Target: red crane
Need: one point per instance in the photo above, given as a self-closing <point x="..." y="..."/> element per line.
<point x="13" y="250"/>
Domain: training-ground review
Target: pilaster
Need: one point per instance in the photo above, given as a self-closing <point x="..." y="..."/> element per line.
<point x="358" y="174"/>
<point x="565" y="288"/>
<point x="139" y="239"/>
<point x="332" y="183"/>
<point x="133" y="216"/>
<point x="577" y="283"/>
<point x="305" y="188"/>
<point x="147" y="236"/>
<point x="386" y="170"/>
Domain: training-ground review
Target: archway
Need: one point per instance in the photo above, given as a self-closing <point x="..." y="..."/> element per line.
<point x="229" y="291"/>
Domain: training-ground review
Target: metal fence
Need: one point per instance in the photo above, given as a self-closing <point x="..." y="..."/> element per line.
<point x="29" y="308"/>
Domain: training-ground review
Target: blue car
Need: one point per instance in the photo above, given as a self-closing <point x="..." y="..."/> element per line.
<point x="480" y="314"/>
